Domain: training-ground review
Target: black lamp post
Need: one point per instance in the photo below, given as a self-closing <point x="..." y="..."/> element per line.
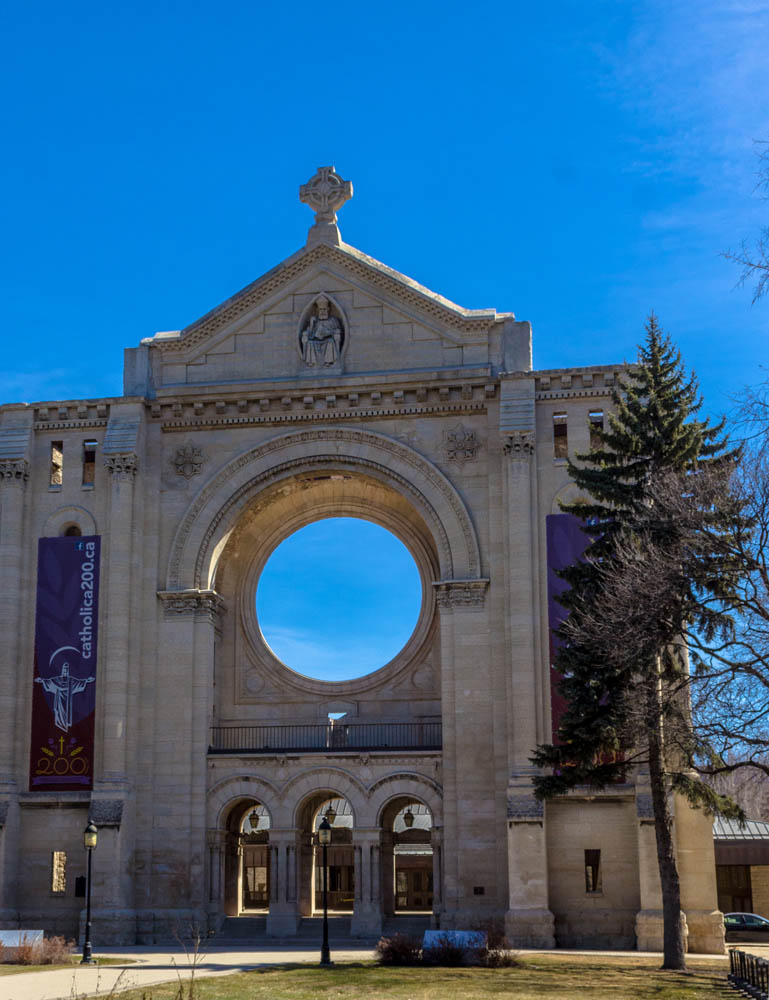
<point x="324" y="839"/>
<point x="90" y="836"/>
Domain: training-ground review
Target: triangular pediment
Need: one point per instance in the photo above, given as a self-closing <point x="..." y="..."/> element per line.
<point x="387" y="322"/>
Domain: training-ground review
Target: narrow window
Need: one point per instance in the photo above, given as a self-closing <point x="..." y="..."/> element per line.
<point x="72" y="531"/>
<point x="89" y="462"/>
<point x="595" y="418"/>
<point x="560" y="436"/>
<point x="593" y="871"/>
<point x="58" y="871"/>
<point x="57" y="463"/>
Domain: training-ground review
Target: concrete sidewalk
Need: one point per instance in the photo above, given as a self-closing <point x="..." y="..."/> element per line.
<point x="147" y="966"/>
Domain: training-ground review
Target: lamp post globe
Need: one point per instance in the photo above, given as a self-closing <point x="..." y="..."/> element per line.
<point x="90" y="839"/>
<point x="324" y="839"/>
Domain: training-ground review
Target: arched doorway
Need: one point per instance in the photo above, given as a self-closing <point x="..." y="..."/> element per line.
<point x="247" y="859"/>
<point x="413" y="859"/>
<point x="340" y="856"/>
<point x="410" y="886"/>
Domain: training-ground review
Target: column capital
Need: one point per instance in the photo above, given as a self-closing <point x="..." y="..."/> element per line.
<point x="14" y="471"/>
<point x="460" y="593"/>
<point x="206" y="604"/>
<point x="519" y="446"/>
<point x="123" y="466"/>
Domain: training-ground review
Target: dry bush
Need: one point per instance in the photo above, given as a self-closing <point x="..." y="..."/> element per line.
<point x="54" y="951"/>
<point x="25" y="952"/>
<point x="400" y="949"/>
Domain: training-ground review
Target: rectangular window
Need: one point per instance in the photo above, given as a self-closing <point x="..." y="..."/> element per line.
<point x="595" y="419"/>
<point x="560" y="436"/>
<point x="593" y="871"/>
<point x="89" y="462"/>
<point x="57" y="463"/>
<point x="58" y="871"/>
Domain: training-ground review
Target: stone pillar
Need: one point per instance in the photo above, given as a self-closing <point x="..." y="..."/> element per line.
<point x="216" y="849"/>
<point x="367" y="910"/>
<point x="14" y="473"/>
<point x="529" y="922"/>
<point x="306" y="874"/>
<point x="283" y="918"/>
<point x="184" y="695"/>
<point x="387" y="873"/>
<point x="695" y="854"/>
<point x="648" y="921"/>
<point x="436" y="840"/>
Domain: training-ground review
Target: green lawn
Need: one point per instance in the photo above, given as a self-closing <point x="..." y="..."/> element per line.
<point x="556" y="977"/>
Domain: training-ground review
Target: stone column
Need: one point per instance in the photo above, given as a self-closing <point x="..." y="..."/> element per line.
<point x="367" y="910"/>
<point x="649" y="920"/>
<point x="695" y="854"/>
<point x="184" y="696"/>
<point x="529" y="922"/>
<point x="14" y="474"/>
<point x="436" y="840"/>
<point x="216" y="848"/>
<point x="306" y="875"/>
<point x="283" y="918"/>
<point x="387" y="873"/>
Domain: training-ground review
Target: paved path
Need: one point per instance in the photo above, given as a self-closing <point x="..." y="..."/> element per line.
<point x="147" y="966"/>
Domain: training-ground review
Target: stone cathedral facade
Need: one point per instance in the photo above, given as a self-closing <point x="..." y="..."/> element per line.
<point x="138" y="690"/>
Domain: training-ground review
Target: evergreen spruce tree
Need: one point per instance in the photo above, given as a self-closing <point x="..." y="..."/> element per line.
<point x="627" y="701"/>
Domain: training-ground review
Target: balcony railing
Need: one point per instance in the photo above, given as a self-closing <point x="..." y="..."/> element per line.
<point x="352" y="737"/>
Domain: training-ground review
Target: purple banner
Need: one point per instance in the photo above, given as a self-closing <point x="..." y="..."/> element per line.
<point x="64" y="686"/>
<point x="566" y="542"/>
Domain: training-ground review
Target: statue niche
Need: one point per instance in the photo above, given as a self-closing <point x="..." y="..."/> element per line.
<point x="322" y="336"/>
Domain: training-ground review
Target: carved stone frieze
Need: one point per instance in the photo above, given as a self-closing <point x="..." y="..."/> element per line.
<point x="461" y="444"/>
<point x="519" y="446"/>
<point x="460" y="593"/>
<point x="188" y="461"/>
<point x="106" y="812"/>
<point x="197" y="603"/>
<point x="14" y="471"/>
<point x="123" y="466"/>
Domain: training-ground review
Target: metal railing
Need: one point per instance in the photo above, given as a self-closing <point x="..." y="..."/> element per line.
<point x="316" y="737"/>
<point x="749" y="974"/>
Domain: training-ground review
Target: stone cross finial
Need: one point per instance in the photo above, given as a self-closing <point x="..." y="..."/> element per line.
<point x="326" y="192"/>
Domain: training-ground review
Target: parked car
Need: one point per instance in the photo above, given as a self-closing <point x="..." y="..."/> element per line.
<point x="746" y="927"/>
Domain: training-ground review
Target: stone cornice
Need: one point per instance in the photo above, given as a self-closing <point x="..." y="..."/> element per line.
<point x="14" y="471"/>
<point x="69" y="425"/>
<point x="469" y="594"/>
<point x="198" y="603"/>
<point x="574" y="394"/>
<point x="358" y="264"/>
<point x="326" y="415"/>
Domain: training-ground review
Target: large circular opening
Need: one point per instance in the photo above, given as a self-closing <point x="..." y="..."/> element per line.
<point x="338" y="599"/>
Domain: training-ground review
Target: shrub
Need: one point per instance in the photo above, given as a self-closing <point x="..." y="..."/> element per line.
<point x="25" y="952"/>
<point x="53" y="951"/>
<point x="400" y="949"/>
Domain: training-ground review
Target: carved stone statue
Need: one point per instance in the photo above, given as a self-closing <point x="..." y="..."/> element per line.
<point x="321" y="339"/>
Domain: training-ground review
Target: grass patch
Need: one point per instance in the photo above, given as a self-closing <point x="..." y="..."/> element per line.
<point x="12" y="968"/>
<point x="550" y="977"/>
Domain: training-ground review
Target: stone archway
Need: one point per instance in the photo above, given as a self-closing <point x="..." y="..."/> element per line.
<point x="216" y="510"/>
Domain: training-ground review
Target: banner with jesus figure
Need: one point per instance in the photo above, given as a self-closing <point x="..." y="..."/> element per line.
<point x="64" y="685"/>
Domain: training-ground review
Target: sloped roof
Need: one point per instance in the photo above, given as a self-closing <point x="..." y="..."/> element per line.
<point x="730" y="829"/>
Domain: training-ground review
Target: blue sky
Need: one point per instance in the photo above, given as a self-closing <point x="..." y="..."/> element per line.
<point x="577" y="163"/>
<point x="328" y="613"/>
